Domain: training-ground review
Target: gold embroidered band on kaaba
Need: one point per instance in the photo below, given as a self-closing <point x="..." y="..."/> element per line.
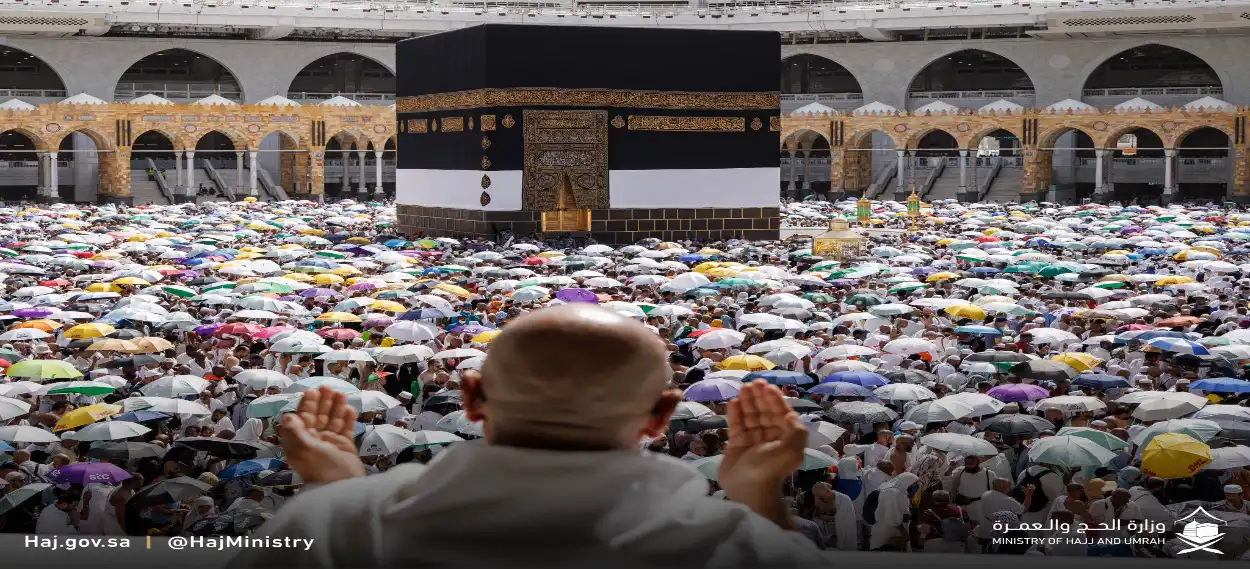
<point x="552" y="97"/>
<point x="689" y="124"/>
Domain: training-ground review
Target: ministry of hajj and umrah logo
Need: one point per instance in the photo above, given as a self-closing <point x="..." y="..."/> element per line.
<point x="1201" y="532"/>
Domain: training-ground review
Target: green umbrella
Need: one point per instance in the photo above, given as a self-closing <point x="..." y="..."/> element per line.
<point x="43" y="369"/>
<point x="8" y="253"/>
<point x="1030" y="267"/>
<point x="331" y="254"/>
<point x="830" y="265"/>
<point x="865" y="299"/>
<point x="83" y="387"/>
<point x="1111" y="285"/>
<point x="736" y="282"/>
<point x="1055" y="270"/>
<point x="176" y="290"/>
<point x="818" y="297"/>
<point x="908" y="287"/>
<point x="1069" y="451"/>
<point x="220" y="286"/>
<point x="1103" y="439"/>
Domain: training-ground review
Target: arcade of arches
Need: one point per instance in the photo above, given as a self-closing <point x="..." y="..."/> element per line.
<point x="853" y="147"/>
<point x="118" y="136"/>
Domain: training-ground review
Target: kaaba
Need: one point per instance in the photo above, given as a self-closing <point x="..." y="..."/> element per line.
<point x="615" y="133"/>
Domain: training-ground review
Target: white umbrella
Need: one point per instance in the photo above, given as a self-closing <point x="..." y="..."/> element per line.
<point x="691" y="410"/>
<point x="844" y="365"/>
<point x="23" y="334"/>
<point x="1228" y="458"/>
<point x="942" y="410"/>
<point x="1052" y="336"/>
<point x="346" y="355"/>
<point x="403" y="354"/>
<point x="981" y="403"/>
<point x="719" y="340"/>
<point x="1172" y="405"/>
<point x="10" y="408"/>
<point x="175" y="386"/>
<point x="411" y="331"/>
<point x="1223" y="412"/>
<point x="382" y="440"/>
<point x="18" y="388"/>
<point x="165" y="405"/>
<point x="909" y="346"/>
<point x="966" y="445"/>
<point x="435" y="438"/>
<point x="457" y="422"/>
<point x="263" y="379"/>
<point x="1071" y="404"/>
<point x="109" y="431"/>
<point x="1069" y="451"/>
<point x="457" y="353"/>
<point x="530" y="294"/>
<point x="904" y="392"/>
<point x="26" y="435"/>
<point x="372" y="401"/>
<point x="845" y="351"/>
<point x="823" y="433"/>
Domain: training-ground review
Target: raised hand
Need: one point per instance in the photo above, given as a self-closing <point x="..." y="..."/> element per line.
<point x="766" y="442"/>
<point x="319" y="438"/>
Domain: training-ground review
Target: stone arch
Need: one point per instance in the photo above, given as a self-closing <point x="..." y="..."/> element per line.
<point x="1047" y="138"/>
<point x="33" y="135"/>
<point x="239" y="141"/>
<point x="1092" y="70"/>
<point x="912" y="85"/>
<point x="179" y="139"/>
<point x="15" y="54"/>
<point x="295" y="81"/>
<point x="859" y="137"/>
<point x="803" y="139"/>
<point x="796" y="69"/>
<point x="914" y="138"/>
<point x="1177" y="140"/>
<point x="975" y="138"/>
<point x="234" y="74"/>
<point x="348" y="136"/>
<point x="1114" y="136"/>
<point x="264" y="133"/>
<point x="101" y="141"/>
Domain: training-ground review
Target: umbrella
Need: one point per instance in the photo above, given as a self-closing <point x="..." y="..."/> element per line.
<point x="1168" y="405"/>
<point x="28" y="435"/>
<point x="10" y="408"/>
<point x="1100" y="381"/>
<point x="1102" y="438"/>
<point x="821" y="433"/>
<point x="1174" y="455"/>
<point x="371" y="401"/>
<point x="1016" y="425"/>
<point x="382" y="440"/>
<point x="239" y="522"/>
<point x="250" y="467"/>
<point x="863" y="378"/>
<point x="223" y="448"/>
<point x="711" y="390"/>
<point x="126" y="451"/>
<point x="841" y="389"/>
<point x="88" y="473"/>
<point x="910" y="376"/>
<point x="1221" y="385"/>
<point x="109" y="431"/>
<point x="1015" y="392"/>
<point x="1228" y="458"/>
<point x="966" y="445"/>
<point x="1069" y="451"/>
<point x="860" y="412"/>
<point x="22" y="495"/>
<point x="86" y="415"/>
<point x="281" y="478"/>
<point x="813" y="459"/>
<point x="43" y="369"/>
<point x="172" y="489"/>
<point x="904" y="392"/>
<point x="1071" y="404"/>
<point x="1200" y="429"/>
<point x="942" y="410"/>
<point x="1043" y="370"/>
<point x="779" y="377"/>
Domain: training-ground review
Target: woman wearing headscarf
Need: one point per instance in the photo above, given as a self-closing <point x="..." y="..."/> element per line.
<point x="889" y="531"/>
<point x="847" y="481"/>
<point x="201" y="508"/>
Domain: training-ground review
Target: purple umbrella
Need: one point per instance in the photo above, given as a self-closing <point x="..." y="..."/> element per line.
<point x="88" y="473"/>
<point x="709" y="390"/>
<point x="207" y="329"/>
<point x="474" y="329"/>
<point x="33" y="312"/>
<point x="576" y="295"/>
<point x="311" y="292"/>
<point x="863" y="378"/>
<point x="1015" y="392"/>
<point x="378" y="321"/>
<point x="363" y="286"/>
<point x="190" y="274"/>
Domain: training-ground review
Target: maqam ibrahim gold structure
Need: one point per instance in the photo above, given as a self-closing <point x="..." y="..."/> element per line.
<point x="849" y="134"/>
<point x="113" y="127"/>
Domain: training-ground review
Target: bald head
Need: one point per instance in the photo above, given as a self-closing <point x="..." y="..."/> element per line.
<point x="574" y="376"/>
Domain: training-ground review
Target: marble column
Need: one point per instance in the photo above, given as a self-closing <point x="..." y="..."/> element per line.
<point x="377" y="170"/>
<point x="178" y="188"/>
<point x="901" y="186"/>
<point x="807" y="174"/>
<point x="238" y="172"/>
<point x="963" y="171"/>
<point x="347" y="173"/>
<point x="362" y="186"/>
<point x="54" y="186"/>
<point x="793" y="186"/>
<point x="1169" y="172"/>
<point x="191" y="189"/>
<point x="1100" y="157"/>
<point x="253" y="157"/>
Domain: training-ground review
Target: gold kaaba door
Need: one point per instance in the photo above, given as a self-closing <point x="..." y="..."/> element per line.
<point x="566" y="167"/>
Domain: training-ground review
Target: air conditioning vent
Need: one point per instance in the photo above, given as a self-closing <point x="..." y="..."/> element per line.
<point x="1131" y="20"/>
<point x="41" y="21"/>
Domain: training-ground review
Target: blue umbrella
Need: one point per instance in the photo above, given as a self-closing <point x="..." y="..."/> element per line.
<point x="1178" y="345"/>
<point x="1150" y="335"/>
<point x="4" y="447"/>
<point x="979" y="330"/>
<point x="985" y="270"/>
<point x="863" y="378"/>
<point x="779" y="377"/>
<point x="1100" y="381"/>
<point x="715" y="389"/>
<point x="1221" y="385"/>
<point x="841" y="389"/>
<point x="1152" y="251"/>
<point x="250" y="467"/>
<point x="395" y="243"/>
<point x="140" y="416"/>
<point x="691" y="258"/>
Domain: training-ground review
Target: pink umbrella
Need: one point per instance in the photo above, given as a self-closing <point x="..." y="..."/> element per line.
<point x="271" y="331"/>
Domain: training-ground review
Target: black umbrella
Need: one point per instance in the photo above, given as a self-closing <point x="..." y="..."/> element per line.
<point x="451" y="397"/>
<point x="1043" y="370"/>
<point x="910" y="376"/>
<point x="281" y="478"/>
<point x="997" y="356"/>
<point x="223" y="448"/>
<point x="860" y="412"/>
<point x="237" y="522"/>
<point x="126" y="451"/>
<point x="173" y="489"/>
<point x="80" y="344"/>
<point x="135" y="361"/>
<point x="803" y="405"/>
<point x="23" y="495"/>
<point x="706" y="422"/>
<point x="1016" y="425"/>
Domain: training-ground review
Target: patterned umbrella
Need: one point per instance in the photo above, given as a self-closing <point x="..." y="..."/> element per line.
<point x="860" y="412"/>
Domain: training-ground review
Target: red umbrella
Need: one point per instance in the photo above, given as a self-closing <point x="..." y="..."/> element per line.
<point x="238" y="329"/>
<point x="698" y="333"/>
<point x="83" y="254"/>
<point x="536" y="261"/>
<point x="56" y="283"/>
<point x="1132" y="327"/>
<point x="988" y="239"/>
<point x="344" y="334"/>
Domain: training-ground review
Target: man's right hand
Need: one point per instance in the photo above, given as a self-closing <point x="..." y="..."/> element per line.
<point x="766" y="442"/>
<point x="319" y="438"/>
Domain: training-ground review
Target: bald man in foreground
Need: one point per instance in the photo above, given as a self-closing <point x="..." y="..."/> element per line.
<point x="565" y="395"/>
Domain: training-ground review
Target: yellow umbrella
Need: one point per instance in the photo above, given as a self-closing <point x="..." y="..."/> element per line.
<point x="453" y="289"/>
<point x="106" y="255"/>
<point x="41" y="324"/>
<point x="722" y="272"/>
<point x="1205" y="249"/>
<point x="151" y="344"/>
<point x="1173" y="280"/>
<point x="134" y="281"/>
<point x="944" y="242"/>
<point x="298" y="277"/>
<point x="486" y="337"/>
<point x="1080" y="361"/>
<point x="388" y="306"/>
<point x="344" y="271"/>
<point x="113" y="345"/>
<point x="86" y="416"/>
<point x="103" y="287"/>
<point x="138" y="237"/>
<point x="552" y="254"/>
<point x="967" y="311"/>
<point x="338" y="317"/>
<point x="1174" y="455"/>
<point x="942" y="276"/>
<point x="746" y="362"/>
<point x="705" y="267"/>
<point x="1116" y="278"/>
<point x="87" y="331"/>
<point x="328" y="279"/>
<point x="314" y="232"/>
